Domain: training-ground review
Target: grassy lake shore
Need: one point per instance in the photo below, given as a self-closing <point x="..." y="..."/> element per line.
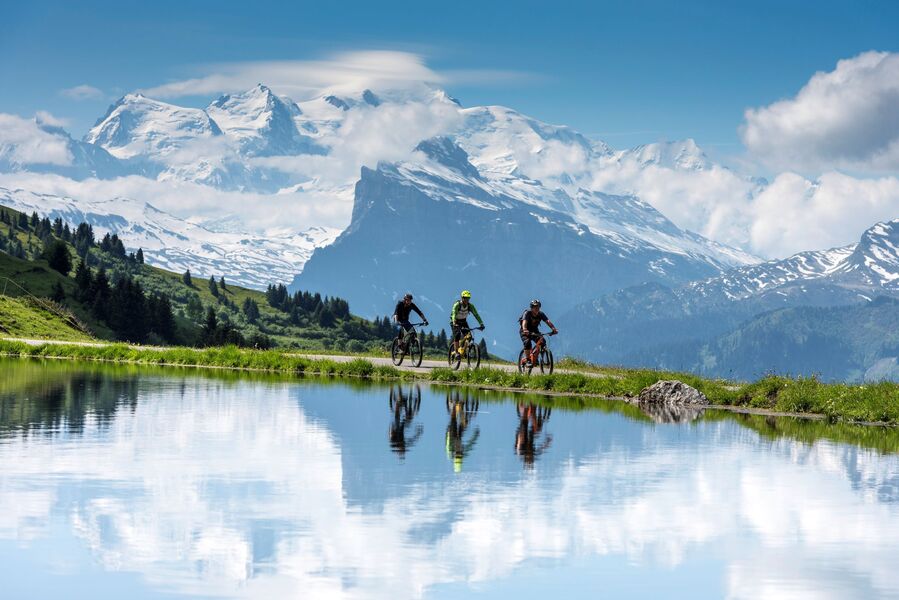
<point x="862" y="403"/>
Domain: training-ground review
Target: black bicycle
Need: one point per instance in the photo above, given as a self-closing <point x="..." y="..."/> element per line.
<point x="407" y="342"/>
<point x="540" y="356"/>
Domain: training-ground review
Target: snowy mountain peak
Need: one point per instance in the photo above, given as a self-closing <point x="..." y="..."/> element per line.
<point x="877" y="254"/>
<point x="140" y="126"/>
<point x="684" y="155"/>
<point x="261" y="123"/>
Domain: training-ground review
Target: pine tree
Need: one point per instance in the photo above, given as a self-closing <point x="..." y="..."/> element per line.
<point x="83" y="281"/>
<point x="213" y="287"/>
<point x="140" y="256"/>
<point x="186" y="279"/>
<point x="194" y="307"/>
<point x="59" y="294"/>
<point x="251" y="310"/>
<point x="483" y="347"/>
<point x="222" y="284"/>
<point x="56" y="253"/>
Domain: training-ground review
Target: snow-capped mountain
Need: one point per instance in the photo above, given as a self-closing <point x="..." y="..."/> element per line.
<point x="870" y="267"/>
<point x="261" y="123"/>
<point x="635" y="320"/>
<point x="437" y="224"/>
<point x="140" y="126"/>
<point x="177" y="245"/>
<point x="491" y="163"/>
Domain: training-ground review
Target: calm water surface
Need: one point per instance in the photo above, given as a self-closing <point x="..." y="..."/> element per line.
<point x="122" y="483"/>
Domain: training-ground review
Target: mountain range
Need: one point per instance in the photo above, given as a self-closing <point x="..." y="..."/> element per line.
<point x="694" y="325"/>
<point x="482" y="198"/>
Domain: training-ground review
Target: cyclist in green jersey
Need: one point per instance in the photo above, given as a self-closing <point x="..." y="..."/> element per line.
<point x="459" y="316"/>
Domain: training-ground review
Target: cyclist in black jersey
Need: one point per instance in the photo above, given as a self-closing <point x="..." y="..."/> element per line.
<point x="529" y="324"/>
<point x="401" y="314"/>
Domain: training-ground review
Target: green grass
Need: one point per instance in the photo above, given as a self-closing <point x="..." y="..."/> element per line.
<point x="837" y="402"/>
<point x="27" y="318"/>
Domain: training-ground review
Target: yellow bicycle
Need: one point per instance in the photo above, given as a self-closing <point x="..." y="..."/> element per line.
<point x="467" y="349"/>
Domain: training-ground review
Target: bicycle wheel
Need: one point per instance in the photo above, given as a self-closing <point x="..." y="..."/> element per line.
<point x="452" y="358"/>
<point x="473" y="356"/>
<point x="415" y="352"/>
<point x="522" y="367"/>
<point x="546" y="361"/>
<point x="396" y="352"/>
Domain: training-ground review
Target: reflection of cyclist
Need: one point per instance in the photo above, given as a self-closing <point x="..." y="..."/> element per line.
<point x="401" y="315"/>
<point x="459" y="316"/>
<point x="461" y="412"/>
<point x="529" y="325"/>
<point x="404" y="409"/>
<point x="531" y="420"/>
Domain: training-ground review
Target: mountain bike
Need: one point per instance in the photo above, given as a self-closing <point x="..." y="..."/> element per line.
<point x="468" y="349"/>
<point x="407" y="342"/>
<point x="540" y="356"/>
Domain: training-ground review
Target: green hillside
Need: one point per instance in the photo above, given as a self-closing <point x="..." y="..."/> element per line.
<point x="119" y="297"/>
<point x="38" y="319"/>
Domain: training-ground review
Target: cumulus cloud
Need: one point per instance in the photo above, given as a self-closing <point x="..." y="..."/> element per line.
<point x="23" y="142"/>
<point x="795" y="213"/>
<point x="845" y="118"/>
<point x="713" y="202"/>
<point x="83" y="92"/>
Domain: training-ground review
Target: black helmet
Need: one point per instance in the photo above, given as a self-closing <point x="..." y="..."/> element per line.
<point x="407" y="297"/>
<point x="536" y="303"/>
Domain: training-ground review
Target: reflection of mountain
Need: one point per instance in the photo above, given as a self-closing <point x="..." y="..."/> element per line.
<point x="260" y="489"/>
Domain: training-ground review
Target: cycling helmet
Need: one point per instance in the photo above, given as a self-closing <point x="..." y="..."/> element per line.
<point x="465" y="294"/>
<point x="536" y="303"/>
<point x="407" y="297"/>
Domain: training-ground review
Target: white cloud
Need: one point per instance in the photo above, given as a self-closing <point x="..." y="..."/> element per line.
<point x="795" y="214"/>
<point x="713" y="202"/>
<point x="297" y="78"/>
<point x="845" y="118"/>
<point x="342" y="72"/>
<point x="83" y="92"/>
<point x="23" y="142"/>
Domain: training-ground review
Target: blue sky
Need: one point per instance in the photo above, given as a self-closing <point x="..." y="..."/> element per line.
<point x="628" y="72"/>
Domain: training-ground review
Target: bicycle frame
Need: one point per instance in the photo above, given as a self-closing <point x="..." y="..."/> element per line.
<point x="466" y="340"/>
<point x="409" y="334"/>
<point x="539" y="344"/>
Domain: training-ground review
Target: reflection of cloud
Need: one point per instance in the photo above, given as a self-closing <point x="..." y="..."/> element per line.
<point x="182" y="489"/>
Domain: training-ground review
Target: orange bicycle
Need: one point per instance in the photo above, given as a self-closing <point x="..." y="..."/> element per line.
<point x="540" y="356"/>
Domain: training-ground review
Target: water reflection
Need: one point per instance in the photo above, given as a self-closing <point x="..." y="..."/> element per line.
<point x="209" y="487"/>
<point x="461" y="406"/>
<point x="404" y="405"/>
<point x="530" y="439"/>
<point x="663" y="412"/>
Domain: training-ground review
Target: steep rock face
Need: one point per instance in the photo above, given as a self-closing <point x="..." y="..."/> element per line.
<point x="438" y="227"/>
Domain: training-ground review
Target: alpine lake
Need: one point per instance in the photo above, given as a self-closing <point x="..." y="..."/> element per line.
<point x="137" y="482"/>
